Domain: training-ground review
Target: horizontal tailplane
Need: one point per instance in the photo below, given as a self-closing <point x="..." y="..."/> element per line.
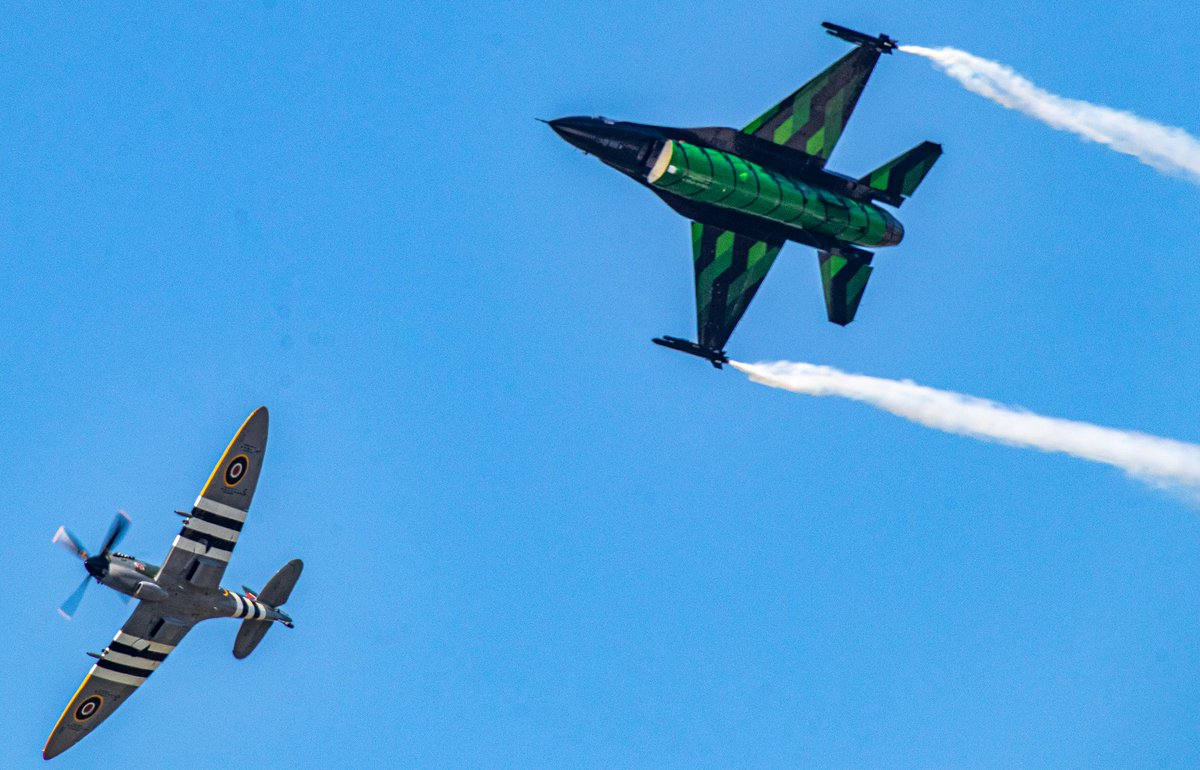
<point x="277" y="591"/>
<point x="898" y="178"/>
<point x="844" y="274"/>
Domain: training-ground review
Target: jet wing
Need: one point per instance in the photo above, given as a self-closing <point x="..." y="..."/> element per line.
<point x="844" y="274"/>
<point x="134" y="653"/>
<point x="201" y="551"/>
<point x="812" y="119"/>
<point x="729" y="269"/>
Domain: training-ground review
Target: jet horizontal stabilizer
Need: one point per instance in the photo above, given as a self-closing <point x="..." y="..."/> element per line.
<point x="714" y="357"/>
<point x="882" y="43"/>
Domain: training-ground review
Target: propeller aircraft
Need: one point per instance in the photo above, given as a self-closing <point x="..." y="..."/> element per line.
<point x="173" y="597"/>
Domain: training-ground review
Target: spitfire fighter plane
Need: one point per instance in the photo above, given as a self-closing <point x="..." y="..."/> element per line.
<point x="185" y="590"/>
<point x="749" y="191"/>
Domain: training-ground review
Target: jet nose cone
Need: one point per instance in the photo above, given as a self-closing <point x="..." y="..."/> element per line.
<point x="622" y="145"/>
<point x="579" y="131"/>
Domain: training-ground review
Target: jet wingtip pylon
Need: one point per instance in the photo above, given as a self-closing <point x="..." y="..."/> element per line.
<point x="713" y="356"/>
<point x="881" y="43"/>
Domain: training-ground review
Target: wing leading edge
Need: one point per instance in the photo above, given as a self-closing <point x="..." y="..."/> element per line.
<point x="201" y="550"/>
<point x="139" y="648"/>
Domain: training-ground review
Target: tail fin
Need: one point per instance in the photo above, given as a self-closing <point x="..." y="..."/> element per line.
<point x="274" y="593"/>
<point x="898" y="178"/>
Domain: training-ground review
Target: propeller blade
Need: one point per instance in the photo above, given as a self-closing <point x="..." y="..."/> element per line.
<point x="67" y="609"/>
<point x="117" y="531"/>
<point x="68" y="541"/>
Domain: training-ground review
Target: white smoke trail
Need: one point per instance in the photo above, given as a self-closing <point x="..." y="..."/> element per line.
<point x="1157" y="461"/>
<point x="1168" y="149"/>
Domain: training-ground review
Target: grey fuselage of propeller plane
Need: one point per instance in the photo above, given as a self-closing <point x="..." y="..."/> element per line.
<point x="173" y="597"/>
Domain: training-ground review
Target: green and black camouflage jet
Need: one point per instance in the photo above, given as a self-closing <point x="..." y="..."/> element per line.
<point x="749" y="191"/>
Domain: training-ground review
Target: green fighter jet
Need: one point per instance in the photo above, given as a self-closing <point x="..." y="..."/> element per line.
<point x="749" y="191"/>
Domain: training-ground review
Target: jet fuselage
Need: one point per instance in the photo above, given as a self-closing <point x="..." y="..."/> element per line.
<point x="713" y="184"/>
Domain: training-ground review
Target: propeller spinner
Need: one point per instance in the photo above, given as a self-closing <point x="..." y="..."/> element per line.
<point x="95" y="564"/>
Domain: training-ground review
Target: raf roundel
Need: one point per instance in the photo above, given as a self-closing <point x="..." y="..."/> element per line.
<point x="88" y="708"/>
<point x="236" y="470"/>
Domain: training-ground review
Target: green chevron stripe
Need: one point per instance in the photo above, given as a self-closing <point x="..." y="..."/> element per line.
<point x="844" y="280"/>
<point x="760" y="258"/>
<point x="856" y="284"/>
<point x="835" y="121"/>
<point x="813" y="117"/>
<point x="914" y="177"/>
<point x="722" y="257"/>
<point x="902" y="175"/>
<point x="729" y="269"/>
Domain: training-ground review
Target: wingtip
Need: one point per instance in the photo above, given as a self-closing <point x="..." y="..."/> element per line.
<point x="259" y="415"/>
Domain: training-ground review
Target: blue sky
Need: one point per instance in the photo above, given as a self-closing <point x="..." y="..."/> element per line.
<point x="532" y="538"/>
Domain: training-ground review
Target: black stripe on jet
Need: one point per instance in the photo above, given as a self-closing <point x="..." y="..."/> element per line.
<point x="738" y="264"/>
<point x="843" y="78"/>
<point x="705" y="256"/>
<point x="708" y="247"/>
<point x="206" y="540"/>
<point x="220" y="521"/>
<point x="121" y="669"/>
<point x="898" y="174"/>
<point x="125" y="649"/>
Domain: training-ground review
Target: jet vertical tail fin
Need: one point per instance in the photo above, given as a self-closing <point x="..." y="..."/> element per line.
<point x="898" y="178"/>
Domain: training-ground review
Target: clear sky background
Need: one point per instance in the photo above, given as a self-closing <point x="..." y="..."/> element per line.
<point x="532" y="538"/>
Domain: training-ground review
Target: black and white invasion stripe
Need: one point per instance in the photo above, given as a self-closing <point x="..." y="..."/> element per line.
<point x="245" y="607"/>
<point x="130" y="659"/>
<point x="212" y="529"/>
